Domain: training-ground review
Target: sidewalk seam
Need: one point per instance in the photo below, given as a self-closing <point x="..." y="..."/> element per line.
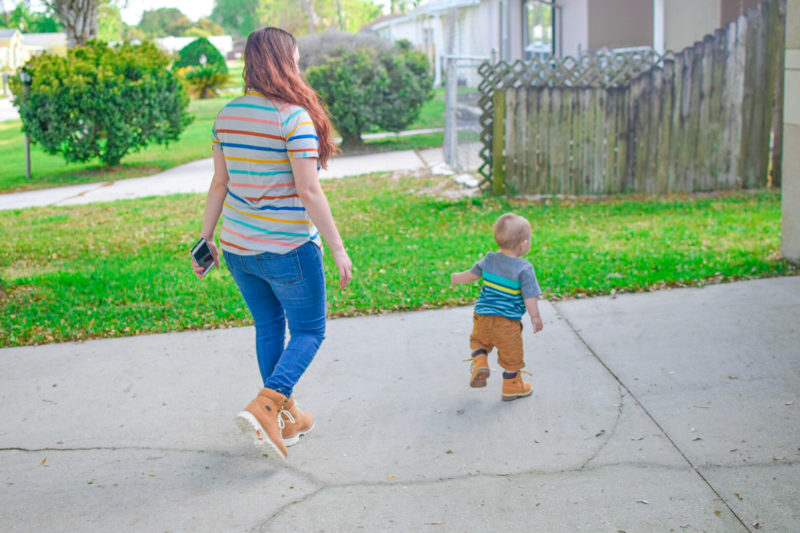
<point x="649" y="415"/>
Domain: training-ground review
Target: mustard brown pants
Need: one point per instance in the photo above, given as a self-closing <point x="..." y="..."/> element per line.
<point x="490" y="331"/>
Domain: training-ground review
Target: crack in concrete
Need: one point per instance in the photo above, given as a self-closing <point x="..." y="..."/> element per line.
<point x="650" y="416"/>
<point x="323" y="486"/>
<point x="114" y="449"/>
<point x="610" y="434"/>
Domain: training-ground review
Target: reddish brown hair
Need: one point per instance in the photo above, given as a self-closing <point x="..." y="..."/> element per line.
<point x="270" y="69"/>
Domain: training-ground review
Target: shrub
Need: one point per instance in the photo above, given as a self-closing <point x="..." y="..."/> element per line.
<point x="316" y="48"/>
<point x="368" y="86"/>
<point x="189" y="55"/>
<point x="101" y="102"/>
<point x="204" y="82"/>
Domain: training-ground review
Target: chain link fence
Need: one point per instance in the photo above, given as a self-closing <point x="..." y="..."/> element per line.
<point x="462" y="127"/>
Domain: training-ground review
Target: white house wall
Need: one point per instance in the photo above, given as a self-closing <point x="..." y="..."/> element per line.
<point x="572" y="27"/>
<point x="688" y="21"/>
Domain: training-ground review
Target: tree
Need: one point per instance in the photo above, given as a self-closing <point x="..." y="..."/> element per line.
<point x="369" y="87"/>
<point x="237" y="17"/>
<point x="204" y="28"/>
<point x="110" y="27"/>
<point x="240" y="17"/>
<point x="101" y="102"/>
<point x="164" y="21"/>
<point x="79" y="18"/>
<point x="27" y="21"/>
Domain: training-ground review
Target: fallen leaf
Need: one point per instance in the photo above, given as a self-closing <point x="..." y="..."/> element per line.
<point x="600" y="433"/>
<point x="43" y="461"/>
<point x="717" y="512"/>
<point x="737" y="495"/>
<point x="643" y="501"/>
<point x="638" y="438"/>
<point x="392" y="476"/>
<point x="697" y="438"/>
<point x="756" y="525"/>
<point x="732" y="377"/>
<point x="449" y="452"/>
<point x="152" y="475"/>
<point x="459" y="411"/>
<point x="434" y="523"/>
<point x="777" y="458"/>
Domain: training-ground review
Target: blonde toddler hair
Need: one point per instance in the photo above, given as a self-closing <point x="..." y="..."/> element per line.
<point x="511" y="230"/>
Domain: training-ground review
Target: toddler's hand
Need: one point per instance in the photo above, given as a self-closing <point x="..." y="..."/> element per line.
<point x="536" y="322"/>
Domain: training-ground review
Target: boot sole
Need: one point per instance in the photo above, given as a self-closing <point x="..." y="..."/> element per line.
<point x="291" y="441"/>
<point x="248" y="423"/>
<point x="480" y="378"/>
<point x="511" y="397"/>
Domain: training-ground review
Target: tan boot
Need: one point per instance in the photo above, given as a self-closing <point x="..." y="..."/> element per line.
<point x="261" y="416"/>
<point x="516" y="388"/>
<point x="296" y="423"/>
<point x="480" y="370"/>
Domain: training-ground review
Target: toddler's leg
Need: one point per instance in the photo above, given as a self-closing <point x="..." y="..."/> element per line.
<point x="510" y="357"/>
<point x="480" y="345"/>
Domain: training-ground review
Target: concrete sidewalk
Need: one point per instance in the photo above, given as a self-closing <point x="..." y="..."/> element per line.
<point x="195" y="177"/>
<point x="667" y="411"/>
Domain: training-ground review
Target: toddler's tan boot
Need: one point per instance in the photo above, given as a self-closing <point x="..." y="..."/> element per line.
<point x="261" y="416"/>
<point x="480" y="371"/>
<point x="296" y="423"/>
<point x="515" y="387"/>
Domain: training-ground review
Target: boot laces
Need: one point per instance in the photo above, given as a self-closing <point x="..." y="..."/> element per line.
<point x="284" y="413"/>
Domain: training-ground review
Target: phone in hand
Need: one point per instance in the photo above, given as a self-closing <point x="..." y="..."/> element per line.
<point x="202" y="254"/>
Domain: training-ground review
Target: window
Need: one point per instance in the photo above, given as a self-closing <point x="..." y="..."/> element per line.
<point x="538" y="18"/>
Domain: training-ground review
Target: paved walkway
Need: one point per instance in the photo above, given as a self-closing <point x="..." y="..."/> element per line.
<point x="7" y="110"/>
<point x="195" y="177"/>
<point x="667" y="411"/>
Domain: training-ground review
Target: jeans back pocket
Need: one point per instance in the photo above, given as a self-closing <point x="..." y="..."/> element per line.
<point x="280" y="268"/>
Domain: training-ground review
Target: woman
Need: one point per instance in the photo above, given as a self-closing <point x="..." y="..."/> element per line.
<point x="268" y="146"/>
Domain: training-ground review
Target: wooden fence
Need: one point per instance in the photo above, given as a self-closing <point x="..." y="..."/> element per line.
<point x="698" y="120"/>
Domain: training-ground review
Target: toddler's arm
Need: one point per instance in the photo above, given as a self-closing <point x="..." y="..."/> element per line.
<point x="532" y="305"/>
<point x="463" y="277"/>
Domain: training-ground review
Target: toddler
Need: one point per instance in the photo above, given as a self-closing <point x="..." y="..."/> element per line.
<point x="509" y="288"/>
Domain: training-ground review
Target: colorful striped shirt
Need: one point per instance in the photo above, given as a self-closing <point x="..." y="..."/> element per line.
<point x="262" y="211"/>
<point x="507" y="282"/>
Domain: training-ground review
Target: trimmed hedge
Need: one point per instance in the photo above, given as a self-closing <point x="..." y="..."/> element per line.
<point x="366" y="86"/>
<point x="189" y="55"/>
<point x="101" y="102"/>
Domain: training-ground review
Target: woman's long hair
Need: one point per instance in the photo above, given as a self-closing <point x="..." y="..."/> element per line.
<point x="270" y="69"/>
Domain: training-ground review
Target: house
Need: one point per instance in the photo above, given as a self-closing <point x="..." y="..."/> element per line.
<point x="12" y="53"/>
<point x="522" y="29"/>
<point x="36" y="43"/>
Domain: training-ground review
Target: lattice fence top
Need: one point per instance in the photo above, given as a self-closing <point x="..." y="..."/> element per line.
<point x="600" y="70"/>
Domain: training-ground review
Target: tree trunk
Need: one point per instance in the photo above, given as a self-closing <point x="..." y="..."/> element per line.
<point x="352" y="142"/>
<point x="79" y="18"/>
<point x="308" y="5"/>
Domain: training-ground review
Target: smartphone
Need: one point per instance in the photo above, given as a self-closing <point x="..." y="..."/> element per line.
<point x="202" y="254"/>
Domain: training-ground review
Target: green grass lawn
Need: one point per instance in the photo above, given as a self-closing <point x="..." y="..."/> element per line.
<point x="194" y="143"/>
<point x="122" y="268"/>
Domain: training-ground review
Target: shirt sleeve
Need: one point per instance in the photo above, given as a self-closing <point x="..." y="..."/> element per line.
<point x="478" y="267"/>
<point x="530" y="286"/>
<point x="300" y="134"/>
<point x="216" y="145"/>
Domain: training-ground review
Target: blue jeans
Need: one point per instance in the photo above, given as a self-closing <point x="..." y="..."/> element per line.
<point x="277" y="288"/>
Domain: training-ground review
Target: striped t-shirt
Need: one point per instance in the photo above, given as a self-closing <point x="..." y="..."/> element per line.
<point x="262" y="212"/>
<point x="507" y="282"/>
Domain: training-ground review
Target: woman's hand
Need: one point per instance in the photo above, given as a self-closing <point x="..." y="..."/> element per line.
<point x="344" y="265"/>
<point x="198" y="270"/>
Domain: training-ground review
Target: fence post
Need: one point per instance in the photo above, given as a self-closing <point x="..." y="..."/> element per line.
<point x="499" y="143"/>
